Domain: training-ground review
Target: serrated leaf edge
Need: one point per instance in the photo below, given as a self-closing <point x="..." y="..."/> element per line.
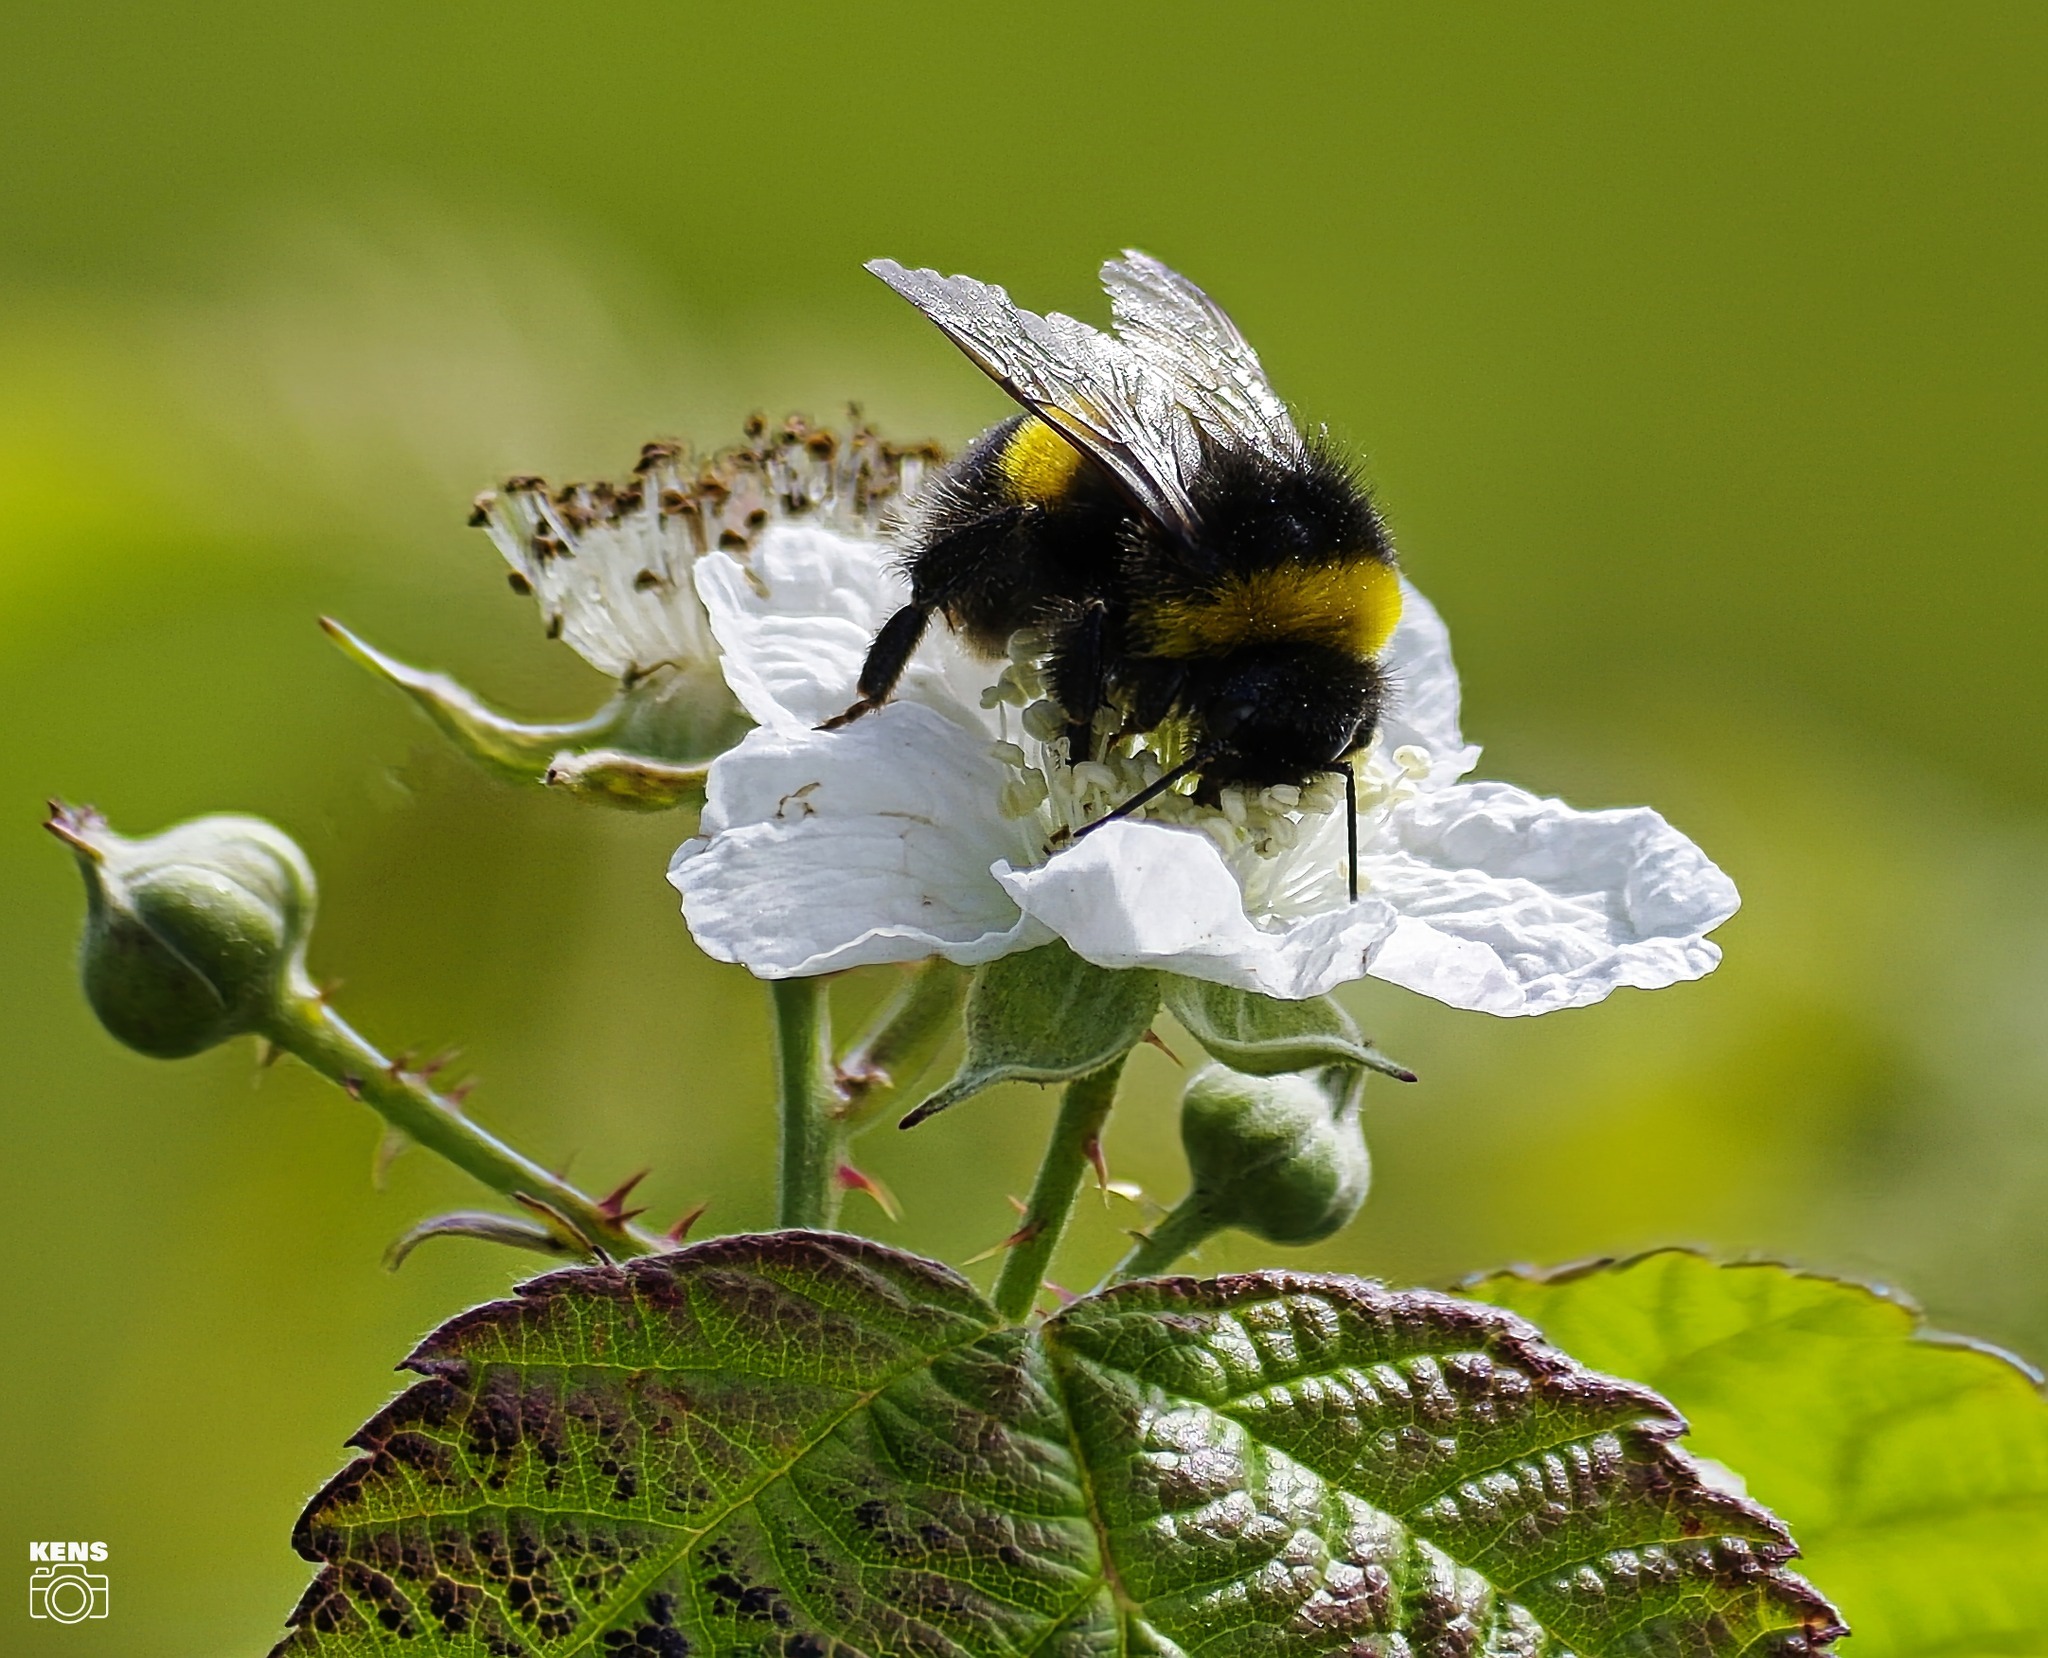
<point x="1660" y="1424"/>
<point x="1889" y="1295"/>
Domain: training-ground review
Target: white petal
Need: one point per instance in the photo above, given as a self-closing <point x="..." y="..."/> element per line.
<point x="1151" y="895"/>
<point x="825" y="850"/>
<point x="1512" y="904"/>
<point x="1424" y="711"/>
<point x="794" y="620"/>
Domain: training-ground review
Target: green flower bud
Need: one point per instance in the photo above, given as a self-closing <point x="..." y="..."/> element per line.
<point x="192" y="936"/>
<point x="1282" y="1157"/>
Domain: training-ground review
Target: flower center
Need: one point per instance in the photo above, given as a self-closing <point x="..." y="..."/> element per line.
<point x="1285" y="843"/>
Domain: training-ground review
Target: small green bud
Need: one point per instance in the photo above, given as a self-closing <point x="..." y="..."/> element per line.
<point x="192" y="936"/>
<point x="1282" y="1157"/>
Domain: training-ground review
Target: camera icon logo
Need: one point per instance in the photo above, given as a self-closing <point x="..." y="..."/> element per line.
<point x="67" y="1593"/>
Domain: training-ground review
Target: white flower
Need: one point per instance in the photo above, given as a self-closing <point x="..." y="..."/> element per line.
<point x="612" y="565"/>
<point x="939" y="823"/>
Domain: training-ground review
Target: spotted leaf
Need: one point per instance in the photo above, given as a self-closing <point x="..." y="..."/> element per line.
<point x="811" y="1446"/>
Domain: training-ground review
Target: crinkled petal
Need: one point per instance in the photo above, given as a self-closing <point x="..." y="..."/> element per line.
<point x="1423" y="711"/>
<point x="1151" y="895"/>
<point x="794" y="619"/>
<point x="820" y="851"/>
<point x="1512" y="904"/>
<point x="884" y="841"/>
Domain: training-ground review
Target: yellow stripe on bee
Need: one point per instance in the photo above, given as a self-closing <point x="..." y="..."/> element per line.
<point x="1349" y="605"/>
<point x="1037" y="463"/>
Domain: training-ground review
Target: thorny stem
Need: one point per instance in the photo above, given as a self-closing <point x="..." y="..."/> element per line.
<point x="1083" y="1110"/>
<point x="812" y="1138"/>
<point x="305" y="1026"/>
<point x="900" y="1041"/>
<point x="1188" y="1225"/>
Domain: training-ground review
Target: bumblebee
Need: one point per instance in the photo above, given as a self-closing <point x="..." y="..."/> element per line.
<point x="1186" y="553"/>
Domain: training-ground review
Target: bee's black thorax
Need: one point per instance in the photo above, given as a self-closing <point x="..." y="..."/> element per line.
<point x="1260" y="632"/>
<point x="1257" y="513"/>
<point x="1023" y="532"/>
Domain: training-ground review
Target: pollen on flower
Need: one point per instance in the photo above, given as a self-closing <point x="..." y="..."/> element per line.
<point x="611" y="564"/>
<point x="1285" y="844"/>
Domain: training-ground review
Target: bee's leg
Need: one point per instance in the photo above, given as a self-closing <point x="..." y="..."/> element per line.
<point x="1145" y="796"/>
<point x="1077" y="680"/>
<point x="887" y="657"/>
<point x="1351" y="823"/>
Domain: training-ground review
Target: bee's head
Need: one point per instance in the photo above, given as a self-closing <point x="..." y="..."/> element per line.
<point x="1283" y="714"/>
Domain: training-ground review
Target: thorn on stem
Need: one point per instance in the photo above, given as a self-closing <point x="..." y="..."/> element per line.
<point x="389" y="1144"/>
<point x="613" y="1204"/>
<point x="850" y="1179"/>
<point x="1152" y="1039"/>
<point x="681" y="1230"/>
<point x="1023" y="1235"/>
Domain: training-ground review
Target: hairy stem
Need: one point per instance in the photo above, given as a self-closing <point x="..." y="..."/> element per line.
<point x="900" y="1041"/>
<point x="1083" y="1110"/>
<point x="1188" y="1225"/>
<point x="306" y="1027"/>
<point x="812" y="1138"/>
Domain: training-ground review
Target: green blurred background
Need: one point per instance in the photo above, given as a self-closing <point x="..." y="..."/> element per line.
<point x="1698" y="354"/>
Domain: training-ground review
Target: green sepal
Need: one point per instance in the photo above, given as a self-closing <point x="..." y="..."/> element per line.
<point x="610" y="777"/>
<point x="499" y="743"/>
<point x="1045" y="1015"/>
<point x="1263" y="1035"/>
<point x="808" y="1444"/>
<point x="645" y="750"/>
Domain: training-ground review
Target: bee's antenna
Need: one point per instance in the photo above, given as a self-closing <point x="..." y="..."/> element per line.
<point x="1351" y="823"/>
<point x="1150" y="792"/>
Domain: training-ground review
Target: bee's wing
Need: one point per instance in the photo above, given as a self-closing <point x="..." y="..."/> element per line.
<point x="1186" y="337"/>
<point x="1102" y="393"/>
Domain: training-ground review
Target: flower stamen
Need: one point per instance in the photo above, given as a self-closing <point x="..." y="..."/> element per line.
<point x="1285" y="843"/>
